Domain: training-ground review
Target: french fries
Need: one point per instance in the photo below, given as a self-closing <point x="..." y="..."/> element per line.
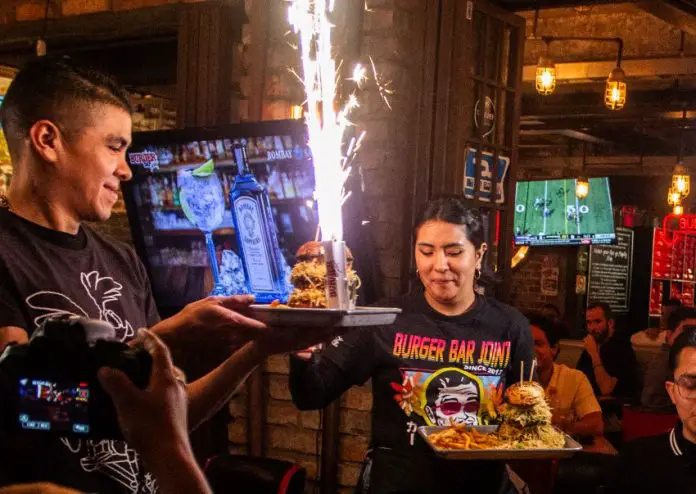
<point x="461" y="437"/>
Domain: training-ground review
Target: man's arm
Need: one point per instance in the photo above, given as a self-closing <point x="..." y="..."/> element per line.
<point x="591" y="424"/>
<point x="12" y="334"/>
<point x="605" y="381"/>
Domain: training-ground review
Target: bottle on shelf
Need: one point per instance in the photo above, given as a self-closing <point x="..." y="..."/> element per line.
<point x="154" y="192"/>
<point x="168" y="194"/>
<point x="175" y="192"/>
<point x="257" y="235"/>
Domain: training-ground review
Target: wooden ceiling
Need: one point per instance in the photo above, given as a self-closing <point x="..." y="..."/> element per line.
<point x="571" y="127"/>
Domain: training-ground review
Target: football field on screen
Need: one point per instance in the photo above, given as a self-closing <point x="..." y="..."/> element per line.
<point x="552" y="208"/>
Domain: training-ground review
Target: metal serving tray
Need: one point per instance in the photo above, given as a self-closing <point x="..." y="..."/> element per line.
<point x="325" y="318"/>
<point x="571" y="447"/>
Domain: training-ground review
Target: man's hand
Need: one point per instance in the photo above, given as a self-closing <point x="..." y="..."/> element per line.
<point x="592" y="349"/>
<point x="153" y="420"/>
<point x="217" y="318"/>
<point x="652" y="333"/>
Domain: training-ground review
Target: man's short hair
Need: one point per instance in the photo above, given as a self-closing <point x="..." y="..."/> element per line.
<point x="551" y="329"/>
<point x="47" y="88"/>
<point x="608" y="314"/>
<point x="673" y="302"/>
<point x="685" y="340"/>
<point x="678" y="315"/>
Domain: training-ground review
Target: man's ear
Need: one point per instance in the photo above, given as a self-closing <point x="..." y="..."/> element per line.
<point x="610" y="324"/>
<point x="671" y="391"/>
<point x="45" y="140"/>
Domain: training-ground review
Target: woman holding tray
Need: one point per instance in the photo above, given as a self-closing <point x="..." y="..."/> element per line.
<point x="445" y="360"/>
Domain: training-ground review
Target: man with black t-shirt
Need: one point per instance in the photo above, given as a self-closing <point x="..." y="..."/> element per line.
<point x="666" y="463"/>
<point x="67" y="130"/>
<point x="608" y="360"/>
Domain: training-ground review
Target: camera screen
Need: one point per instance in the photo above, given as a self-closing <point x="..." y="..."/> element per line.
<point x="57" y="406"/>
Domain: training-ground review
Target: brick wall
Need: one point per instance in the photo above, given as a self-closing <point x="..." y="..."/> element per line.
<point x="31" y="10"/>
<point x="526" y="293"/>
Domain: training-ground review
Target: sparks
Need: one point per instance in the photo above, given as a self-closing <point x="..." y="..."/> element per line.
<point x="383" y="87"/>
<point x="359" y="75"/>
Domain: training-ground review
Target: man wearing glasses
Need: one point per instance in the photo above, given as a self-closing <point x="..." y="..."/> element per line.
<point x="667" y="463"/>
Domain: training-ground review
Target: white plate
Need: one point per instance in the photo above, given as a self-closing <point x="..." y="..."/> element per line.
<point x="326" y="318"/>
<point x="571" y="447"/>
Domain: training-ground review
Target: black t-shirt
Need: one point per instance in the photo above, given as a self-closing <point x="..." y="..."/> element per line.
<point x="665" y="463"/>
<point x="426" y="369"/>
<point x="619" y="360"/>
<point x="45" y="272"/>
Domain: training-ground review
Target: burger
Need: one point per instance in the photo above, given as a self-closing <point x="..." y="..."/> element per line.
<point x="309" y="275"/>
<point x="526" y="418"/>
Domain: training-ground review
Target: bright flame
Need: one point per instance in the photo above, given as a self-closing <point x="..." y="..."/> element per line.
<point x="359" y="75"/>
<point x="325" y="125"/>
<point x="615" y="94"/>
<point x="678" y="210"/>
<point x="681" y="184"/>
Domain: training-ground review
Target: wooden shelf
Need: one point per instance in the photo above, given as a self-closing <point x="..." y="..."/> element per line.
<point x="192" y="232"/>
<point x="226" y="163"/>
<point x="675" y="280"/>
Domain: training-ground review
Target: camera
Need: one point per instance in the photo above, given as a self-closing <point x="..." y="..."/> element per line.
<point x="50" y="385"/>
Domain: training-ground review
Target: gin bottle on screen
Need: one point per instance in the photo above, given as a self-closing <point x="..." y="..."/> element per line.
<point x="257" y="235"/>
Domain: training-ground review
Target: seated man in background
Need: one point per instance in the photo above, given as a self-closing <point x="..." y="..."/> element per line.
<point x="575" y="407"/>
<point x="654" y="395"/>
<point x="665" y="463"/>
<point x="608" y="360"/>
<point x="657" y="336"/>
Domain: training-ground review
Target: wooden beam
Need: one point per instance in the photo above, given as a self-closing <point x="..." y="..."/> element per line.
<point x="596" y="165"/>
<point x="671" y="14"/>
<point x="146" y="22"/>
<point x="578" y="72"/>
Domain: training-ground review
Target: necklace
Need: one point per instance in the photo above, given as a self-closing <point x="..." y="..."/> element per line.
<point x="5" y="202"/>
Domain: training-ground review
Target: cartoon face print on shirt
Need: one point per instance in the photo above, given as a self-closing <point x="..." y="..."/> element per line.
<point x="452" y="396"/>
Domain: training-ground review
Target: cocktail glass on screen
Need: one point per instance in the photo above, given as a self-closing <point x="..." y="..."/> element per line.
<point x="203" y="202"/>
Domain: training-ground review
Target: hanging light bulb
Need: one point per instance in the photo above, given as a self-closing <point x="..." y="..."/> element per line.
<point x="545" y="76"/>
<point x="681" y="180"/>
<point x="519" y="256"/>
<point x="582" y="187"/>
<point x="678" y="210"/>
<point x="615" y="90"/>
<point x="673" y="197"/>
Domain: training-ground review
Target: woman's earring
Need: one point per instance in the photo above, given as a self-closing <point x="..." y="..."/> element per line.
<point x="477" y="273"/>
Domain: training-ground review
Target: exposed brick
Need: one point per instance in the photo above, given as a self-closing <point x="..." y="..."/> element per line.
<point x="381" y="48"/>
<point x="282" y="413"/>
<point x="236" y="432"/>
<point x="353" y="448"/>
<point x="276" y="110"/>
<point x="390" y="262"/>
<point x="378" y="19"/>
<point x="310" y="419"/>
<point x="293" y="439"/>
<point x="238" y="406"/>
<point x="391" y="287"/>
<point x="349" y="473"/>
<point x="278" y="364"/>
<point x="359" y="398"/>
<point x="278" y="387"/>
<point x="356" y="422"/>
<point x="77" y="7"/>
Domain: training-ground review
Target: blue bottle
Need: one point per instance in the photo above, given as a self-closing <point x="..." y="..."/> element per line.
<point x="257" y="236"/>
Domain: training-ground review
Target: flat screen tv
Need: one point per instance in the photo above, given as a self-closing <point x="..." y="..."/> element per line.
<point x="549" y="213"/>
<point x="205" y="223"/>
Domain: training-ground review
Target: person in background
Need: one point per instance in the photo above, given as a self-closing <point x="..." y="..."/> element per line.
<point x="666" y="463"/>
<point x="654" y="395"/>
<point x="608" y="359"/>
<point x="551" y="312"/>
<point x="574" y="404"/>
<point x="447" y="358"/>
<point x="657" y="336"/>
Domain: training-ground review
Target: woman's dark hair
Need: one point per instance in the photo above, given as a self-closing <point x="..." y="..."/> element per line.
<point x="552" y="329"/>
<point x="454" y="209"/>
<point x="678" y="315"/>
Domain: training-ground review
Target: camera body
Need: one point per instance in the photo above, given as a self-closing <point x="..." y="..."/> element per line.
<point x="51" y="385"/>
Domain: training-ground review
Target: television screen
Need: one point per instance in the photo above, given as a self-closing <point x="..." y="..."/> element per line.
<point x="550" y="213"/>
<point x="221" y="211"/>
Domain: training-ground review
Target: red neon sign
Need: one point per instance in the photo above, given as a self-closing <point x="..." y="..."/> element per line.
<point x="685" y="223"/>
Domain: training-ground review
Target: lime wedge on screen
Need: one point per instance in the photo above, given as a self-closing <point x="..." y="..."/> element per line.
<point x="205" y="170"/>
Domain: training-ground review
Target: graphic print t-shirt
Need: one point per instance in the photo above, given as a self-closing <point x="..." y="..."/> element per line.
<point x="43" y="273"/>
<point x="431" y="369"/>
